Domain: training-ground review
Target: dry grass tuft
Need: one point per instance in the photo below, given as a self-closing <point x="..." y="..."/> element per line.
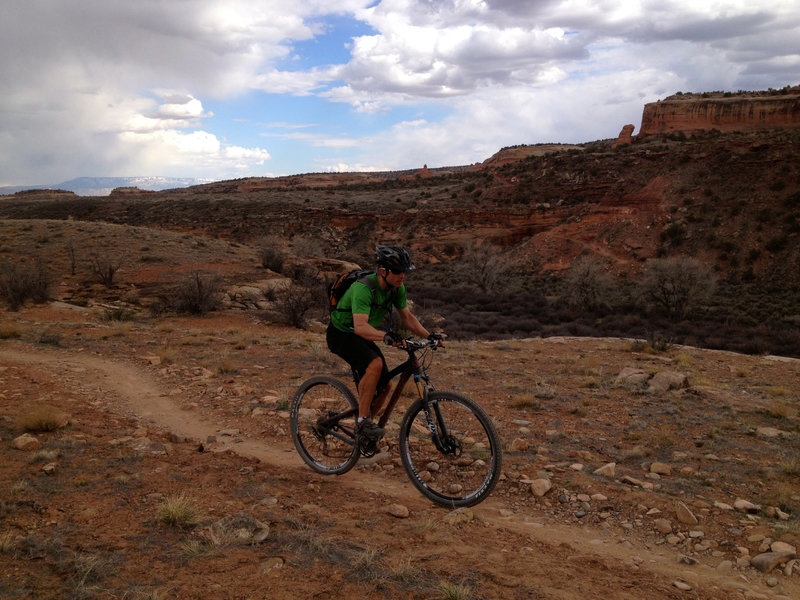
<point x="9" y="332"/>
<point x="683" y="360"/>
<point x="790" y="464"/>
<point x="366" y="565"/>
<point x="167" y="354"/>
<point x="405" y="572"/>
<point x="43" y="418"/>
<point x="226" y="366"/>
<point x="780" y="495"/>
<point x="525" y="400"/>
<point x="454" y="591"/>
<point x="43" y="455"/>
<point x="6" y="542"/>
<point x="179" y="510"/>
<point x="319" y="353"/>
<point x="778" y="409"/>
<point x="779" y="391"/>
<point x="88" y="570"/>
<point x="197" y="547"/>
<point x="317" y="544"/>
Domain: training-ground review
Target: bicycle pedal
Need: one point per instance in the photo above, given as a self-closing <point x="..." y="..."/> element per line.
<point x="369" y="448"/>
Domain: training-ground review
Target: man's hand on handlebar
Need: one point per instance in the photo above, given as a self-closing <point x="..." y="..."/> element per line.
<point x="434" y="340"/>
<point x="394" y="339"/>
<point x="437" y="339"/>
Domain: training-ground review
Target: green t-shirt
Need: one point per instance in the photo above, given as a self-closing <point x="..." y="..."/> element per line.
<point x="361" y="299"/>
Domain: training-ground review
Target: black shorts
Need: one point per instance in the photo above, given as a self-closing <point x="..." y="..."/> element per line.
<point x="357" y="352"/>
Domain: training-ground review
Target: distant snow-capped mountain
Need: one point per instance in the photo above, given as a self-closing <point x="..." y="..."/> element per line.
<point x="102" y="186"/>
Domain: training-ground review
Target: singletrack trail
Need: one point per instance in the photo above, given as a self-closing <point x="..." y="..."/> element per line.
<point x="144" y="397"/>
<point x="141" y="395"/>
<point x="126" y="389"/>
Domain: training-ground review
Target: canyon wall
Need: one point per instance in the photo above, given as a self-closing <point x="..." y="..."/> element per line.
<point x="696" y="113"/>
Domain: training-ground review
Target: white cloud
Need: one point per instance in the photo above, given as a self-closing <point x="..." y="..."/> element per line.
<point x="302" y="83"/>
<point x="164" y="151"/>
<point x="575" y="111"/>
<point x="247" y="155"/>
<point x="99" y="87"/>
<point x="181" y="107"/>
<point x="79" y="77"/>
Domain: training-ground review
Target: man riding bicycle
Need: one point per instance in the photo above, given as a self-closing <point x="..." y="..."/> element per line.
<point x="353" y="331"/>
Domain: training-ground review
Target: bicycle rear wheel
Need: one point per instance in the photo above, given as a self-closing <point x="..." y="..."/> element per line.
<point x="323" y="419"/>
<point x="460" y="465"/>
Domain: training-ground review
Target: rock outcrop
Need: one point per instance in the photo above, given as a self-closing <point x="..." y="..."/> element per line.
<point x="625" y="136"/>
<point x="696" y="113"/>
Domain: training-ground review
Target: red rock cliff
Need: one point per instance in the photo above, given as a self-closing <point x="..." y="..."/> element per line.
<point x="694" y="113"/>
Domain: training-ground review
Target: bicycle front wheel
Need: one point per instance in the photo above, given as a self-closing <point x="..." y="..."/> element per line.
<point x="450" y="449"/>
<point x="323" y="419"/>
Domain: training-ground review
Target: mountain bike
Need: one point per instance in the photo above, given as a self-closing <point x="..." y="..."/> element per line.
<point x="448" y="445"/>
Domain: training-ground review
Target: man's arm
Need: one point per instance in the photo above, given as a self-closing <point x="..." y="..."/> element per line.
<point x="362" y="328"/>
<point x="412" y="323"/>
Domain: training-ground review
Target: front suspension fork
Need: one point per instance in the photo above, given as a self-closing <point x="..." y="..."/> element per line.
<point x="433" y="416"/>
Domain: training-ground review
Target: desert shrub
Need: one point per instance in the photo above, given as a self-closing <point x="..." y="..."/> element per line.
<point x="72" y="255"/>
<point x="271" y="255"/>
<point x="659" y="342"/>
<point x="677" y="284"/>
<point x="674" y="234"/>
<point x="49" y="337"/>
<point x="294" y="302"/>
<point x="302" y="274"/>
<point x="104" y="268"/>
<point x="307" y="246"/>
<point x="117" y="313"/>
<point x="776" y="243"/>
<point x="587" y="285"/>
<point x="484" y="266"/>
<point x="19" y="283"/>
<point x="197" y="294"/>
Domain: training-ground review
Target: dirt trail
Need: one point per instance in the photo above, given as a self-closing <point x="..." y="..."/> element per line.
<point x="148" y="400"/>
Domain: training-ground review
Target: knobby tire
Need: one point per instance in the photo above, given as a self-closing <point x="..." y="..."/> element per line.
<point x="327" y="450"/>
<point x="469" y="468"/>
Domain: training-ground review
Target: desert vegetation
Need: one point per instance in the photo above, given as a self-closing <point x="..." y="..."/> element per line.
<point x="703" y="250"/>
<point x="21" y="281"/>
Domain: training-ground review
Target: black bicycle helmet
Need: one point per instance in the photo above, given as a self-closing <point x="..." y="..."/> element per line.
<point x="394" y="258"/>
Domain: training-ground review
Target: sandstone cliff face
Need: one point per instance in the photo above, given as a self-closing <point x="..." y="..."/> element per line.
<point x="693" y="113"/>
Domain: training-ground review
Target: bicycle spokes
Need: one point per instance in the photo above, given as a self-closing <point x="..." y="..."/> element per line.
<point x="322" y="419"/>
<point x="450" y="449"/>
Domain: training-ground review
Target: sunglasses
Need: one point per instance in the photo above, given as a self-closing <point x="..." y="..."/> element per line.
<point x="396" y="270"/>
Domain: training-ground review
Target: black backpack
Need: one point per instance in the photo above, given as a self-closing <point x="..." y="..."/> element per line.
<point x="343" y="282"/>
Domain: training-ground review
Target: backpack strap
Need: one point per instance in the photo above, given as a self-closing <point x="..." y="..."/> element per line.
<point x="370" y="283"/>
<point x="367" y="280"/>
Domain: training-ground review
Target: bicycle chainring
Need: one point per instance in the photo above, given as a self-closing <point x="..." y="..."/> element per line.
<point x="368" y="447"/>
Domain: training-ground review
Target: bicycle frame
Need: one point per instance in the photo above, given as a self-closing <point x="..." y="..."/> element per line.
<point x="410" y="367"/>
<point x="407" y="369"/>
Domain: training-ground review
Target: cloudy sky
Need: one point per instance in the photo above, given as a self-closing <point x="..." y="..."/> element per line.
<point x="219" y="89"/>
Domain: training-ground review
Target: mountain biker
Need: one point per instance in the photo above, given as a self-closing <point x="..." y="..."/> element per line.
<point x="353" y="331"/>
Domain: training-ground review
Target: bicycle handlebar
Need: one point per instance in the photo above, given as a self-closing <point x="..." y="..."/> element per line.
<point x="412" y="345"/>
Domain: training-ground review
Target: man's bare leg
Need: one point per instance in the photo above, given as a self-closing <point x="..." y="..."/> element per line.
<point x="367" y="387"/>
<point x="380" y="400"/>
